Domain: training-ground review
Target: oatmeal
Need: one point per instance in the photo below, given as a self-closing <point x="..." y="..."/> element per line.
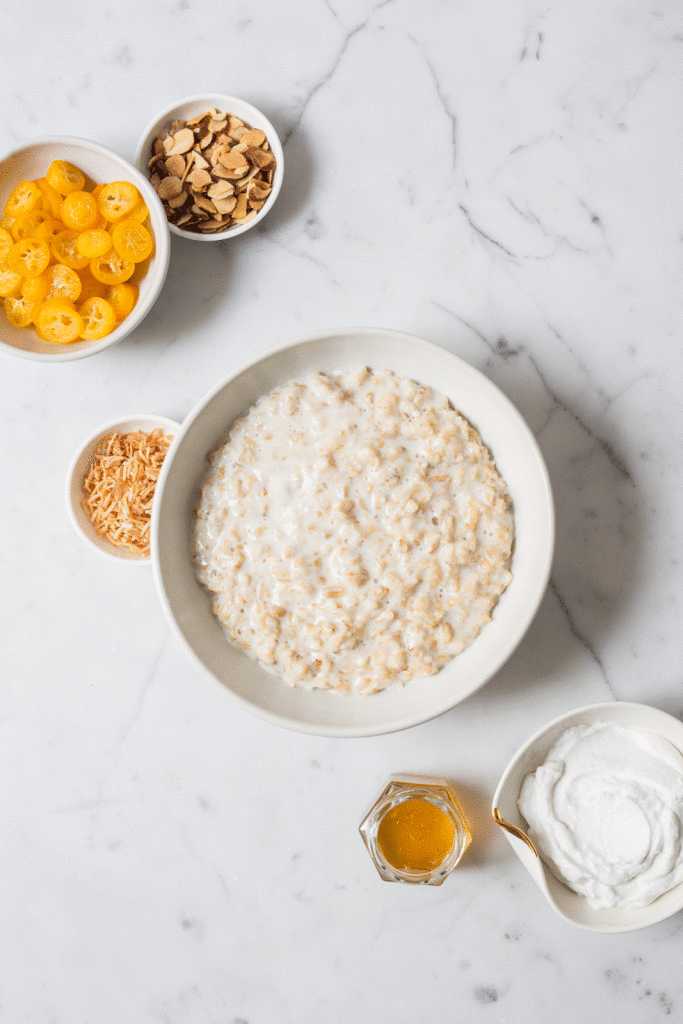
<point x="354" y="532"/>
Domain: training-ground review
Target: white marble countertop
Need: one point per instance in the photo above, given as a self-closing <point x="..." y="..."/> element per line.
<point x="503" y="179"/>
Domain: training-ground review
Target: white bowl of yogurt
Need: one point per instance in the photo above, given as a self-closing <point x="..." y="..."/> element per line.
<point x="592" y="805"/>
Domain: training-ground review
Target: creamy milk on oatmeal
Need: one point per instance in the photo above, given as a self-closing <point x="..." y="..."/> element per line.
<point x="354" y="532"/>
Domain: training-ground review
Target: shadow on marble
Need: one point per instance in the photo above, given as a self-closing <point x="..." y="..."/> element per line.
<point x="475" y="803"/>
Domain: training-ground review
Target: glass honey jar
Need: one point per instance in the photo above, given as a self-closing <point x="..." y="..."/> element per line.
<point x="415" y="831"/>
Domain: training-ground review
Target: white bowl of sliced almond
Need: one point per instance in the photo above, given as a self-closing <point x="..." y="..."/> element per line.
<point x="215" y="162"/>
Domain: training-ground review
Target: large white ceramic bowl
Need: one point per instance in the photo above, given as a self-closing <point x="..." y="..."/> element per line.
<point x="100" y="165"/>
<point x="192" y="106"/>
<point x="187" y="604"/>
<point x="570" y="905"/>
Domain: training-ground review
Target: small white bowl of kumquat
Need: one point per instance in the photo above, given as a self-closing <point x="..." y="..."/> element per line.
<point x="84" y="249"/>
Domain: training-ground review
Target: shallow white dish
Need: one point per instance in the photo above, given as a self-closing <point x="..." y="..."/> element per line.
<point x="100" y="165"/>
<point x="79" y="467"/>
<point x="192" y="106"/>
<point x="569" y="905"/>
<point x="187" y="604"/>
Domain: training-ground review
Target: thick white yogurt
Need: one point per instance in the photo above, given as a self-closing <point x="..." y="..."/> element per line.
<point x="605" y="812"/>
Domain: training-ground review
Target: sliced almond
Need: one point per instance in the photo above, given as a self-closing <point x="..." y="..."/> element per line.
<point x="199" y="160"/>
<point x="254" y="137"/>
<point x="175" y="165"/>
<point x="183" y="141"/>
<point x="195" y="120"/>
<point x="155" y="181"/>
<point x="178" y="200"/>
<point x="257" y="204"/>
<point x="199" y="178"/>
<point x="240" y="207"/>
<point x="220" y="190"/>
<point x="241" y="182"/>
<point x="221" y="172"/>
<point x="184" y="219"/>
<point x="247" y="218"/>
<point x="158" y="147"/>
<point x="240" y="147"/>
<point x="232" y="160"/>
<point x="168" y="144"/>
<point x="169" y="187"/>
<point x="204" y="203"/>
<point x="226" y="205"/>
<point x="217" y="124"/>
<point x="191" y="163"/>
<point x="259" y="157"/>
<point x="258" y="189"/>
<point x="234" y="122"/>
<point x="212" y="225"/>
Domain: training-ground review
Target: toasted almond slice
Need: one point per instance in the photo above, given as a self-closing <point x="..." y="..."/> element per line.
<point x="246" y="219"/>
<point x="224" y="138"/>
<point x="240" y="147"/>
<point x="168" y="144"/>
<point x="257" y="204"/>
<point x="254" y="137"/>
<point x="226" y="205"/>
<point x="175" y="165"/>
<point x="206" y="141"/>
<point x="184" y="219"/>
<point x="269" y="175"/>
<point x="178" y="200"/>
<point x="241" y="182"/>
<point x="195" y="120"/>
<point x="215" y="114"/>
<point x="233" y="160"/>
<point x="199" y="160"/>
<point x="158" y="147"/>
<point x="221" y="172"/>
<point x="176" y="126"/>
<point x="212" y="225"/>
<point x="183" y="141"/>
<point x="204" y="203"/>
<point x="155" y="181"/>
<point x="169" y="187"/>
<point x="217" y="152"/>
<point x="234" y="122"/>
<point x="220" y="190"/>
<point x="240" y="208"/>
<point x="191" y="163"/>
<point x="258" y="189"/>
<point x="237" y="133"/>
<point x="259" y="157"/>
<point x="217" y="124"/>
<point x="157" y="158"/>
<point x="199" y="179"/>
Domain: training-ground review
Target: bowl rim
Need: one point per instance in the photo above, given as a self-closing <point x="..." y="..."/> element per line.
<point x="201" y="98"/>
<point x="347" y="731"/>
<point x="610" y="921"/>
<point x="105" y="549"/>
<point x="162" y="241"/>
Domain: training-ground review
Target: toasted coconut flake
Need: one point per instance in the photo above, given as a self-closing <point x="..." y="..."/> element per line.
<point x="119" y="487"/>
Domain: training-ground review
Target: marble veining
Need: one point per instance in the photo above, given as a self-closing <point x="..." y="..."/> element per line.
<point x="504" y="180"/>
